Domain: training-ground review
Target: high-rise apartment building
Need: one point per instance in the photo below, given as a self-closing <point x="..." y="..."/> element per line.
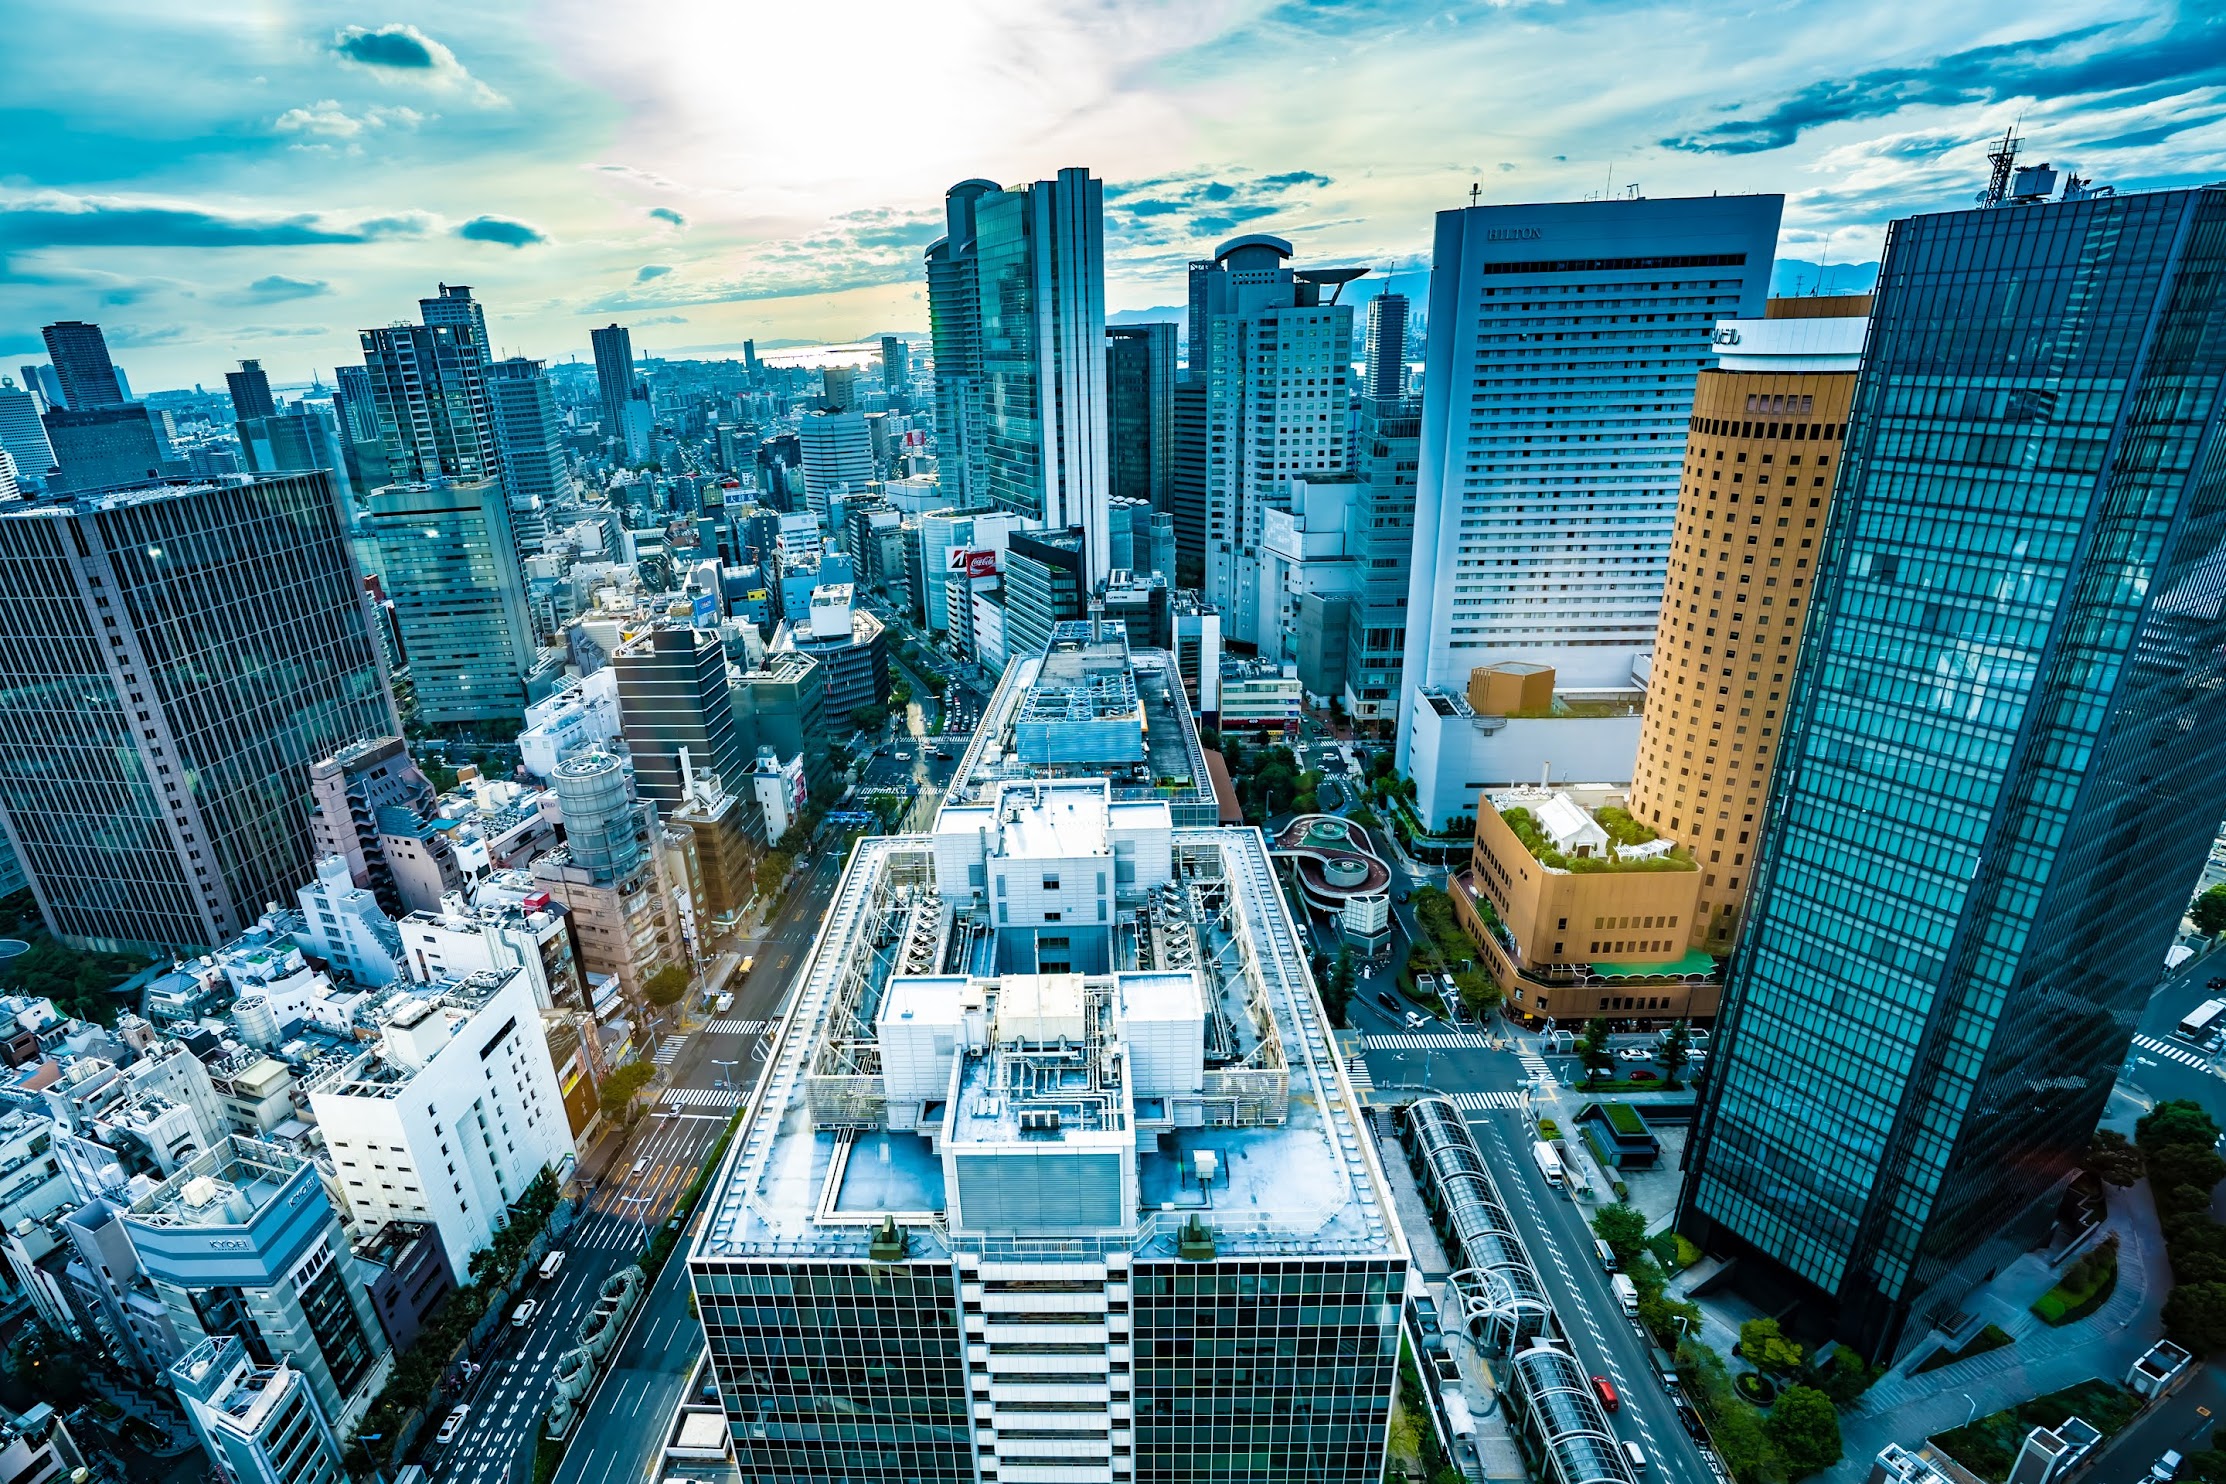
<point x="536" y="477"/>
<point x="614" y="375"/>
<point x="896" y="367"/>
<point x="168" y="656"/>
<point x="23" y="435"/>
<point x="451" y="571"/>
<point x="362" y="444"/>
<point x="1276" y="367"/>
<point x="2000" y="754"/>
<point x="673" y="699"/>
<point x="1001" y="1183"/>
<point x="429" y="392"/>
<point x="1140" y="413"/>
<point x="456" y="308"/>
<point x="955" y="337"/>
<point x="1557" y="385"/>
<point x="609" y="875"/>
<point x="1384" y="360"/>
<point x="251" y="392"/>
<point x="86" y="375"/>
<point x="1040" y="265"/>
<point x="1761" y="453"/>
<point x="838" y="458"/>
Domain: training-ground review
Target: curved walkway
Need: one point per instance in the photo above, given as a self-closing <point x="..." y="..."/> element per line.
<point x="1316" y="845"/>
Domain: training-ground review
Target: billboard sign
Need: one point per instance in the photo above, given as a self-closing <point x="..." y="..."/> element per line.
<point x="969" y="562"/>
<point x="706" y="615"/>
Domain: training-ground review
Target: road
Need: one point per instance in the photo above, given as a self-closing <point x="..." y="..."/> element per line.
<point x="633" y="1185"/>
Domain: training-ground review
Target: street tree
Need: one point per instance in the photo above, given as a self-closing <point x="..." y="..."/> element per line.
<point x="1592" y="1049"/>
<point x="1623" y="1228"/>
<point x="2195" y="1315"/>
<point x="2113" y="1159"/>
<point x="2175" y="1121"/>
<point x="1806" y="1429"/>
<point x="2209" y="911"/>
<point x="666" y="986"/>
<point x="1767" y="1349"/>
<point x="1677" y="1050"/>
<point x="772" y="872"/>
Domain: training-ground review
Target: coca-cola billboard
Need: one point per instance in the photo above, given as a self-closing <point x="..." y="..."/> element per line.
<point x="971" y="563"/>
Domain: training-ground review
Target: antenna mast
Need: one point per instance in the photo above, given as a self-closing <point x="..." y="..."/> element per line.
<point x="2003" y="159"/>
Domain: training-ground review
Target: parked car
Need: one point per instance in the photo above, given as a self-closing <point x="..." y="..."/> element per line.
<point x="2167" y="1467"/>
<point x="1643" y="1074"/>
<point x="1606" y="1390"/>
<point x="1634" y="1053"/>
<point x="453" y="1426"/>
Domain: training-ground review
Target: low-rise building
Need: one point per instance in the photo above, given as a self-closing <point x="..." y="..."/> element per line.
<point x="35" y="1448"/>
<point x="1260" y="695"/>
<point x="259" y="1419"/>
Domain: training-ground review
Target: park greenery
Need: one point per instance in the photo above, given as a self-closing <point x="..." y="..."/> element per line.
<point x="1269" y="781"/>
<point x="2085" y="1287"/>
<point x="1447" y="950"/>
<point x="1525" y="826"/>
<point x="1988" y="1445"/>
<point x="2209" y="912"/>
<point x="2178" y="1146"/>
<point x="79" y="983"/>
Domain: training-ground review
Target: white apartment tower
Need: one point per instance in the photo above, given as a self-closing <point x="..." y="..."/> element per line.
<point x="1276" y="360"/>
<point x="1558" y="378"/>
<point x="455" y="1116"/>
<point x="837" y="450"/>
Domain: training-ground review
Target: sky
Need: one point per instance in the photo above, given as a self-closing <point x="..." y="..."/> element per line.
<point x="264" y="179"/>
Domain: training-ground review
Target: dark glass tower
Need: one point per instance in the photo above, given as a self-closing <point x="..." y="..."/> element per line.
<point x="1140" y="412"/>
<point x="673" y="697"/>
<point x="172" y="660"/>
<point x="2000" y="751"/>
<point x="80" y="355"/>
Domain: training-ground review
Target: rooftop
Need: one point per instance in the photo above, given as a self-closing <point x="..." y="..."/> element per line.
<point x="1585" y="830"/>
<point x="225" y="1186"/>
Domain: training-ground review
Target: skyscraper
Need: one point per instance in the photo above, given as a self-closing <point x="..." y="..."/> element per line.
<point x="1387" y="444"/>
<point x="41" y="382"/>
<point x="837" y="454"/>
<point x="1186" y="481"/>
<point x="2000" y="755"/>
<point x="955" y="335"/>
<point x="23" y="435"/>
<point x="452" y="573"/>
<point x="1558" y="382"/>
<point x="140" y="779"/>
<point x="614" y="375"/>
<point x="429" y="392"/>
<point x="81" y="365"/>
<point x="1040" y="260"/>
<point x="1275" y="366"/>
<point x="1140" y="413"/>
<point x="535" y="473"/>
<point x="673" y="697"/>
<point x="1385" y="360"/>
<point x="896" y="367"/>
<point x="251" y="392"/>
<point x="1773" y="408"/>
<point x="838" y="388"/>
<point x="103" y="446"/>
<point x="455" y="307"/>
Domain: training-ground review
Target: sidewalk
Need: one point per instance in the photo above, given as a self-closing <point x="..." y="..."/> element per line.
<point x="1906" y="1409"/>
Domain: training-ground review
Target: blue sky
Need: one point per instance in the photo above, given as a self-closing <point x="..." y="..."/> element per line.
<point x="229" y="179"/>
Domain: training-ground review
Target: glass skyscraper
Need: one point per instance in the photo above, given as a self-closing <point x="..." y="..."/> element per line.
<point x="2000" y="758"/>
<point x="450" y="562"/>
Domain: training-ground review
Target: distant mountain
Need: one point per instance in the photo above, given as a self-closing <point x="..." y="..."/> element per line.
<point x="1173" y="314"/>
<point x="1793" y="277"/>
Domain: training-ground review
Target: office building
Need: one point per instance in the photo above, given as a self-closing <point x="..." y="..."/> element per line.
<point x="287" y="443"/>
<point x="1760" y="458"/>
<point x="614" y="375"/>
<point x="165" y="830"/>
<point x="1547" y="492"/>
<point x="343" y="925"/>
<point x="251" y="392"/>
<point x="104" y="446"/>
<point x="838" y="388"/>
<point x="1387" y="445"/>
<point x="851" y="645"/>
<point x="39" y="380"/>
<point x="837" y="457"/>
<point x="676" y="711"/>
<point x="1001" y="1179"/>
<point x="1187" y="482"/>
<point x="36" y="1447"/>
<point x="429" y="393"/>
<point x="582" y="714"/>
<point x="782" y="704"/>
<point x="1046" y="584"/>
<point x="2014" y="629"/>
<point x="357" y="794"/>
<point x="1276" y="365"/>
<point x="23" y="435"/>
<point x="1140" y="414"/>
<point x="243" y="1242"/>
<point x="259" y="1420"/>
<point x="459" y="596"/>
<point x="896" y="367"/>
<point x="1384" y="360"/>
<point x="536" y="478"/>
<point x="955" y="339"/>
<point x="509" y="924"/>
<point x="1040" y="266"/>
<point x="82" y="370"/>
<point x="362" y="444"/>
<point x="455" y="1115"/>
<point x="607" y="875"/>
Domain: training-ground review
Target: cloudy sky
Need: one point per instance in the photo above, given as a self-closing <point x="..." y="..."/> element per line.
<point x="231" y="178"/>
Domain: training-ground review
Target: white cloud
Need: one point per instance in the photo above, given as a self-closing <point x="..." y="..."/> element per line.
<point x="329" y="120"/>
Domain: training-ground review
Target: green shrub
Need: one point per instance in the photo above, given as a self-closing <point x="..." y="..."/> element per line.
<point x="2085" y="1287"/>
<point x="1990" y="1338"/>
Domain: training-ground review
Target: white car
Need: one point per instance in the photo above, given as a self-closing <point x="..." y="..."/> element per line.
<point x="1416" y="1021"/>
<point x="522" y="1316"/>
<point x="641" y="1166"/>
<point x="1634" y="1053"/>
<point x="453" y="1426"/>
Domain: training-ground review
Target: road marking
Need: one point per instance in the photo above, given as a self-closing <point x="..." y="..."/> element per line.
<point x="738" y="1027"/>
<point x="1480" y="1102"/>
<point x="668" y="1049"/>
<point x="703" y="1097"/>
<point x="1356" y="1067"/>
<point x="1443" y="1041"/>
<point x="2184" y="1055"/>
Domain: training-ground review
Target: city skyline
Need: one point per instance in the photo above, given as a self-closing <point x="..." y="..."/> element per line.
<point x="312" y="173"/>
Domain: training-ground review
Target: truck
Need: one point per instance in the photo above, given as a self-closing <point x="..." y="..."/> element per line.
<point x="1549" y="1163"/>
<point x="1626" y="1294"/>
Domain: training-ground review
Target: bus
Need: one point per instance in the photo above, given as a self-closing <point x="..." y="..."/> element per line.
<point x="2204" y="1021"/>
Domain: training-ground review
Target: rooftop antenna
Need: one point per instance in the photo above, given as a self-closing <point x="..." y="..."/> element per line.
<point x="2002" y="159"/>
<point x="1824" y="262"/>
<point x="1476" y="189"/>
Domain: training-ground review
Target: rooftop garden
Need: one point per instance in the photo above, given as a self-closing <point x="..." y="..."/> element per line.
<point x="1622" y="829"/>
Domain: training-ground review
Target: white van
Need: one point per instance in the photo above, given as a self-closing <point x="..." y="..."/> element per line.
<point x="1635" y="1456"/>
<point x="552" y="1265"/>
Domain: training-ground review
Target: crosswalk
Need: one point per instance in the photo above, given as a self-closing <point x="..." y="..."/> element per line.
<point x="1534" y="1065"/>
<point x="1483" y="1102"/>
<point x="738" y="1027"/>
<point x="703" y="1097"/>
<point x="1356" y="1068"/>
<point x="2185" y="1055"/>
<point x="668" y="1049"/>
<point x="1444" y="1041"/>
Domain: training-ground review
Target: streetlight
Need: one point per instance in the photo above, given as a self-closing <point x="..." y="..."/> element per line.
<point x="725" y="1078"/>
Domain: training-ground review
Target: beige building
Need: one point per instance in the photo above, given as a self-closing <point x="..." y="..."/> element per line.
<point x="1580" y="911"/>
<point x="1760" y="459"/>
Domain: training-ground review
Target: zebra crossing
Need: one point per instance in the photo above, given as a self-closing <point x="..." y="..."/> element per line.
<point x="738" y="1027"/>
<point x="1453" y="1041"/>
<point x="668" y="1049"/>
<point x="703" y="1097"/>
<point x="1482" y="1102"/>
<point x="1356" y="1068"/>
<point x="2186" y="1056"/>
<point x="1534" y="1066"/>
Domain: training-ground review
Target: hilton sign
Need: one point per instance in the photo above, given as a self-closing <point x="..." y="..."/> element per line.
<point x="1513" y="234"/>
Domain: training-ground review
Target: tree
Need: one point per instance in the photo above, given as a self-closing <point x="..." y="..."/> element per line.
<point x="1806" y="1429"/>
<point x="2195" y="1315"/>
<point x="1844" y="1377"/>
<point x="900" y="695"/>
<point x="869" y="718"/>
<point x="2207" y="1466"/>
<point x="666" y="986"/>
<point x="485" y="1268"/>
<point x="2209" y="911"/>
<point x="1767" y="1349"/>
<point x="1623" y="1228"/>
<point x="2113" y="1159"/>
<point x="772" y="872"/>
<point x="624" y="1085"/>
<point x="2178" y="1167"/>
<point x="1677" y="1049"/>
<point x="1592" y="1049"/>
<point x="2175" y="1121"/>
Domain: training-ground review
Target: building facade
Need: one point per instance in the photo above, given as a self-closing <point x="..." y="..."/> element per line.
<point x="429" y="393"/>
<point x="1387" y="448"/>
<point x="86" y="375"/>
<point x="258" y="1420"/>
<point x="1760" y="458"/>
<point x="450" y="556"/>
<point x="1384" y="362"/>
<point x="614" y="375"/>
<point x="2015" y="650"/>
<point x="536" y="478"/>
<point x="673" y="698"/>
<point x="1140" y="413"/>
<point x="165" y="654"/>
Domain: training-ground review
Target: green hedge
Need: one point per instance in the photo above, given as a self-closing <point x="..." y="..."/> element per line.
<point x="2085" y="1287"/>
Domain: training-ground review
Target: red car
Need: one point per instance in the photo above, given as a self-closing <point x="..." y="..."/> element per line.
<point x="1606" y="1388"/>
